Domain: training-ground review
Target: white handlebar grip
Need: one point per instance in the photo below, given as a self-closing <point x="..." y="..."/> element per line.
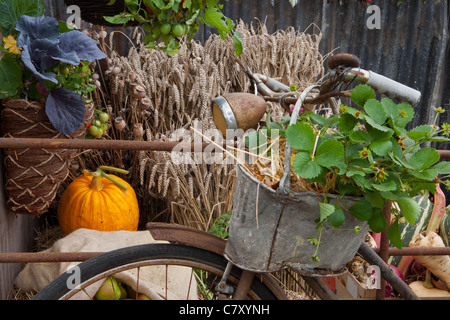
<point x="393" y="89"/>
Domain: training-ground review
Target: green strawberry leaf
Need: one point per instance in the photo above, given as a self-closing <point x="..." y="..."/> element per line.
<point x="443" y="167"/>
<point x="329" y="153"/>
<point x="390" y="107"/>
<point x="362" y="210"/>
<point x="381" y="148"/>
<point x="409" y="208"/>
<point x="387" y="186"/>
<point x="427" y="174"/>
<point x="406" y="113"/>
<point x="347" y="122"/>
<point x="360" y="136"/>
<point x="305" y="167"/>
<point x="419" y="132"/>
<point x="337" y="218"/>
<point x="301" y="137"/>
<point x="326" y="210"/>
<point x="377" y="222"/>
<point x="361" y="93"/>
<point x="424" y="158"/>
<point x="394" y="235"/>
<point x="375" y="199"/>
<point x="375" y="111"/>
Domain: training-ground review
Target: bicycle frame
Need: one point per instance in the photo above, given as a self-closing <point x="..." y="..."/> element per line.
<point x="197" y="238"/>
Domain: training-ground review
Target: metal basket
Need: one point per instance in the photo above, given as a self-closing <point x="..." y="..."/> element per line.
<point x="269" y="228"/>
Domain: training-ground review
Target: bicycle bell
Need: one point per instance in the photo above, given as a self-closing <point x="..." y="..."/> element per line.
<point x="237" y="111"/>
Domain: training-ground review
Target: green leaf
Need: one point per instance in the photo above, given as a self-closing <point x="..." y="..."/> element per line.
<point x="317" y="119"/>
<point x="305" y="167"/>
<point x="361" y="93"/>
<point x="381" y="148"/>
<point x="387" y="186"/>
<point x="347" y="122"/>
<point x="362" y="210"/>
<point x="337" y="218"/>
<point x="10" y="77"/>
<point x="352" y="151"/>
<point x="375" y="199"/>
<point x="427" y="174"/>
<point x="359" y="136"/>
<point x="375" y="111"/>
<point x="394" y="236"/>
<point x="215" y="18"/>
<point x="409" y="208"/>
<point x="121" y="18"/>
<point x="378" y="135"/>
<point x="390" y="107"/>
<point x="424" y="158"/>
<point x="10" y="11"/>
<point x="443" y="167"/>
<point x="301" y="137"/>
<point x="237" y="43"/>
<point x="377" y="222"/>
<point x="439" y="139"/>
<point x="406" y="113"/>
<point x="375" y="125"/>
<point x="422" y="186"/>
<point x="419" y="132"/>
<point x="326" y="210"/>
<point x="354" y="171"/>
<point x="329" y="153"/>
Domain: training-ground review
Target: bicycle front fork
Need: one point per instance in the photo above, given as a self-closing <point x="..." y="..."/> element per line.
<point x="243" y="287"/>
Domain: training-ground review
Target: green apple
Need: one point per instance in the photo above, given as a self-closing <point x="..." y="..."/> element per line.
<point x="142" y="296"/>
<point x="123" y="293"/>
<point x="109" y="290"/>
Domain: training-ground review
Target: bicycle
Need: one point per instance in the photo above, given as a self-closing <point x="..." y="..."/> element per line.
<point x="200" y="250"/>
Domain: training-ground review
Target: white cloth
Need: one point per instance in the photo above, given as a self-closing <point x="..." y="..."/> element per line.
<point x="152" y="280"/>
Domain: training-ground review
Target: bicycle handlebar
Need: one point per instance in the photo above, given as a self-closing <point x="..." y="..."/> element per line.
<point x="380" y="83"/>
<point x="384" y="85"/>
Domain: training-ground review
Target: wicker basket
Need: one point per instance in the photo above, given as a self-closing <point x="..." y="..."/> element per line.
<point x="33" y="175"/>
<point x="93" y="11"/>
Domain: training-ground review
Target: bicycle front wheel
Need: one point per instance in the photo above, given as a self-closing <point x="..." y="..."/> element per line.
<point x="205" y="270"/>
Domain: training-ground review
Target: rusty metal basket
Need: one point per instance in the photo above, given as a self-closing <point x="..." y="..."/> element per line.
<point x="269" y="228"/>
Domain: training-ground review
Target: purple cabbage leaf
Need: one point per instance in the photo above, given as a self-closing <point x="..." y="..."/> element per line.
<point x="85" y="47"/>
<point x="65" y="109"/>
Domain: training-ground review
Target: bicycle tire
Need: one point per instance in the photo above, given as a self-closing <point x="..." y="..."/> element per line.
<point x="149" y="254"/>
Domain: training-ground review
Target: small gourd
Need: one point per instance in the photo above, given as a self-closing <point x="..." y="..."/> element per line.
<point x="99" y="201"/>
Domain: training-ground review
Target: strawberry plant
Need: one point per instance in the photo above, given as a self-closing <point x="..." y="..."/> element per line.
<point x="367" y="151"/>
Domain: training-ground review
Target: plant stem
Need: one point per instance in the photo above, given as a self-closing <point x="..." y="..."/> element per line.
<point x="99" y="174"/>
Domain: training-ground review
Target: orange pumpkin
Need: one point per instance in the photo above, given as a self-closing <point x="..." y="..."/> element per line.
<point x="98" y="201"/>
